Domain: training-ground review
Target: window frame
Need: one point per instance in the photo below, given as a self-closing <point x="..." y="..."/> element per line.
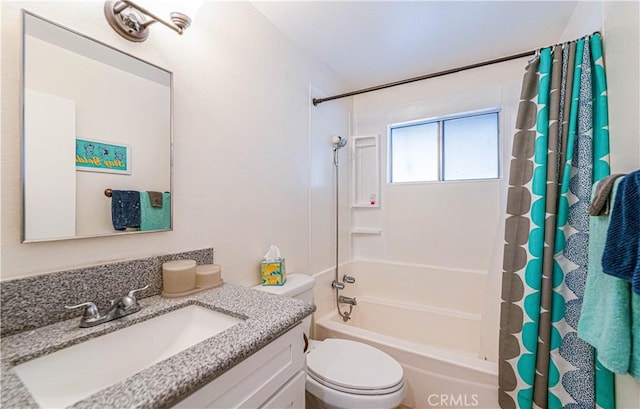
<point x="439" y="120"/>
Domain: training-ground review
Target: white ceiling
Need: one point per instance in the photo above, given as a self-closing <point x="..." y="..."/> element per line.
<point x="373" y="42"/>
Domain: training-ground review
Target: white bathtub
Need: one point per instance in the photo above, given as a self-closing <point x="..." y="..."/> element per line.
<point x="439" y="348"/>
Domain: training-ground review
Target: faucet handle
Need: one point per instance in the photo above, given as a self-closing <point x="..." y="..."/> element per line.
<point x="129" y="301"/>
<point x="133" y="292"/>
<point x="348" y="279"/>
<point x="337" y="284"/>
<point x="91" y="311"/>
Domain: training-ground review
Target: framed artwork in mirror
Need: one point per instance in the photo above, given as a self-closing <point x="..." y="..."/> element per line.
<point x="101" y="156"/>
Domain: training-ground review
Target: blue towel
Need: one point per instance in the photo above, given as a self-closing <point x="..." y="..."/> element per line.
<point x="610" y="315"/>
<point x="621" y="257"/>
<point x="155" y="218"/>
<point x="125" y="209"/>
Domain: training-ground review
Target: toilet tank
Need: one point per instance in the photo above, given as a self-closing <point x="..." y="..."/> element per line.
<point x="298" y="286"/>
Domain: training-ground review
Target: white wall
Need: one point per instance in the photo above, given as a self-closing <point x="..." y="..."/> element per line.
<point x="328" y="119"/>
<point x="241" y="134"/>
<point x="621" y="33"/>
<point x="49" y="145"/>
<point x="445" y="224"/>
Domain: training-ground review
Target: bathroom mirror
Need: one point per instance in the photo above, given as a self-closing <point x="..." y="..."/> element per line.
<point x="97" y="128"/>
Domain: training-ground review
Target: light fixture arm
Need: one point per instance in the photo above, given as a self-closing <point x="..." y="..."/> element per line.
<point x="134" y="25"/>
<point x="155" y="18"/>
<point x="120" y="7"/>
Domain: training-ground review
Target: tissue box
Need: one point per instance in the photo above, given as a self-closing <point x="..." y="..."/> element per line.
<point x="273" y="272"/>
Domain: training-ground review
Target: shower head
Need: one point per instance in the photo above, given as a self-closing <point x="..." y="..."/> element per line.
<point x="338" y="142"/>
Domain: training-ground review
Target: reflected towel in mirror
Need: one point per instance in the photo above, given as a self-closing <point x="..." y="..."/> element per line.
<point x="125" y="209"/>
<point x="155" y="198"/>
<point x="155" y="218"/>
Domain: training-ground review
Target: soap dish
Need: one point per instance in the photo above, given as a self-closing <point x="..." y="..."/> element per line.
<point x="207" y="276"/>
<point x="193" y="291"/>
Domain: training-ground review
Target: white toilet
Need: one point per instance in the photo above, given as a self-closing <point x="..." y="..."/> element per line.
<point x="343" y="374"/>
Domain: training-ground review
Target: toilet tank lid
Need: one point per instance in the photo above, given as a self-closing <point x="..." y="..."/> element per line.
<point x="296" y="284"/>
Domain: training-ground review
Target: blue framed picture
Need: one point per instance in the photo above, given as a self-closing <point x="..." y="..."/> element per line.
<point x="100" y="156"/>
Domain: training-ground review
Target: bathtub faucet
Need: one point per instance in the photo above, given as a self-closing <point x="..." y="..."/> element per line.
<point x="347" y="300"/>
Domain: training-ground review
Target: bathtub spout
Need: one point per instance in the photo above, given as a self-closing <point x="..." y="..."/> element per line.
<point x="347" y="300"/>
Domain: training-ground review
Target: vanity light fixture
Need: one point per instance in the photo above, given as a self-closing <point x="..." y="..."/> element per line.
<point x="132" y="20"/>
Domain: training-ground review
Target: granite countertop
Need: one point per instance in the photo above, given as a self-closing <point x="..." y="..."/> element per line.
<point x="266" y="316"/>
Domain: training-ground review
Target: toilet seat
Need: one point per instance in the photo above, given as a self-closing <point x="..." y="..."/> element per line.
<point x="353" y="367"/>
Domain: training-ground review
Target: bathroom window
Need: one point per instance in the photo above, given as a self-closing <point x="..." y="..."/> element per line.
<point x="460" y="147"/>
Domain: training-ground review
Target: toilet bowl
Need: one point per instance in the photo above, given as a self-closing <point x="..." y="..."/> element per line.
<point x="347" y="374"/>
<point x="344" y="374"/>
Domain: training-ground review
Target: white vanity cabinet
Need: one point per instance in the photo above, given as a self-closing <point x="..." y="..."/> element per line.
<point x="273" y="377"/>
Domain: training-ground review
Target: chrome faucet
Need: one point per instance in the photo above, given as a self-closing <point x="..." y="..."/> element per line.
<point x="348" y="279"/>
<point x="119" y="308"/>
<point x="347" y="300"/>
<point x="337" y="284"/>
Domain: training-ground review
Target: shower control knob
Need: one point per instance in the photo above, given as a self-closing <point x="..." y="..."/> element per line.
<point x="348" y="279"/>
<point x="337" y="284"/>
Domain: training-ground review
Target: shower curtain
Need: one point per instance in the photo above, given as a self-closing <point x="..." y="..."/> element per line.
<point x="560" y="148"/>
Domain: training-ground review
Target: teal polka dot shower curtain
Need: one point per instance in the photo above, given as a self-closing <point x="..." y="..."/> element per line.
<point x="560" y="148"/>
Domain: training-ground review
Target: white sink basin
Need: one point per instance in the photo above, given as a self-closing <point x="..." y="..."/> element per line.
<point x="72" y="374"/>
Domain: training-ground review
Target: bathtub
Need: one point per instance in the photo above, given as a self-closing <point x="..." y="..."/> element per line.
<point x="439" y="348"/>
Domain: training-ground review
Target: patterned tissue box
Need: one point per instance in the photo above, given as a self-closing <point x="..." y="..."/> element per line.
<point x="273" y="272"/>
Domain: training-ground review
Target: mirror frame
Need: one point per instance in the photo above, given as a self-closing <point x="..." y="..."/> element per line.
<point x="22" y="128"/>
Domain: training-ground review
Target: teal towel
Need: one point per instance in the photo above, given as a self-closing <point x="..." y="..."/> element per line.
<point x="155" y="218"/>
<point x="610" y="316"/>
<point x="634" y="363"/>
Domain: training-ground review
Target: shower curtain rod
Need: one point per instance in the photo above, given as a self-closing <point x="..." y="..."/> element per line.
<point x="317" y="101"/>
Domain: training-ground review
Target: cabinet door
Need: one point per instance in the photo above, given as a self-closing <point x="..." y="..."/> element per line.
<point x="290" y="396"/>
<point x="255" y="380"/>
